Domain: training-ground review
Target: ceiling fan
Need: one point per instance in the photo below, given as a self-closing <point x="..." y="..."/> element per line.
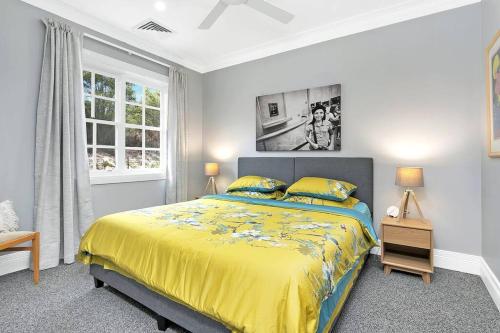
<point x="259" y="5"/>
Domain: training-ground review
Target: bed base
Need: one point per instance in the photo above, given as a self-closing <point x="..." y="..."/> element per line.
<point x="167" y="311"/>
<point x="163" y="323"/>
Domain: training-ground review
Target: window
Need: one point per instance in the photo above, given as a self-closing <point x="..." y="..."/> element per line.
<point x="142" y="127"/>
<point x="100" y="105"/>
<point x="125" y="125"/>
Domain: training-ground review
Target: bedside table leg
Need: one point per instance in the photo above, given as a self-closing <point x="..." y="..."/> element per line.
<point x="426" y="277"/>
<point x="387" y="269"/>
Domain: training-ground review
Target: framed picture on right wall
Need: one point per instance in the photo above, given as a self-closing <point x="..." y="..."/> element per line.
<point x="493" y="95"/>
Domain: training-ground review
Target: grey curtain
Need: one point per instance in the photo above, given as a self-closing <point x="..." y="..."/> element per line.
<point x="63" y="207"/>
<point x="176" y="186"/>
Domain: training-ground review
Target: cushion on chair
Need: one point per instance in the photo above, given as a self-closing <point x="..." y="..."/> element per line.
<point x="8" y="217"/>
<point x="7" y="236"/>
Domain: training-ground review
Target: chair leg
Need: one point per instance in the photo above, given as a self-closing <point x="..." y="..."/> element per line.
<point x="98" y="283"/>
<point x="35" y="253"/>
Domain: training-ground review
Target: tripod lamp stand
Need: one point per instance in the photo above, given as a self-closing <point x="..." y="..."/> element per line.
<point x="211" y="170"/>
<point x="409" y="177"/>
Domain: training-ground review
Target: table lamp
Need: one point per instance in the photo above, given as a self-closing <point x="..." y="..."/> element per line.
<point x="409" y="177"/>
<point x="211" y="170"/>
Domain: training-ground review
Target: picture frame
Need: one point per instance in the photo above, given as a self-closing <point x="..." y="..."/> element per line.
<point x="493" y="95"/>
<point x="300" y="120"/>
<point x="273" y="109"/>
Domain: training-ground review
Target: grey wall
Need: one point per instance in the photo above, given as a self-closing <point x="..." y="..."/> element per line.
<point x="490" y="166"/>
<point x="21" y="46"/>
<point x="118" y="197"/>
<point x="410" y="96"/>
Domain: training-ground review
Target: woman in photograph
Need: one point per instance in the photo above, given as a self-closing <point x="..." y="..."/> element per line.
<point x="319" y="132"/>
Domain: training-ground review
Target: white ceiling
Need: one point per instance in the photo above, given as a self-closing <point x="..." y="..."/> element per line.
<point x="241" y="34"/>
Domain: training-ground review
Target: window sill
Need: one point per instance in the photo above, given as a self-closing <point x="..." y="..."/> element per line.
<point x="128" y="178"/>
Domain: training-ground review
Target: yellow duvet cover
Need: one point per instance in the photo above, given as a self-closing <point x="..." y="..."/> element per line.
<point x="254" y="265"/>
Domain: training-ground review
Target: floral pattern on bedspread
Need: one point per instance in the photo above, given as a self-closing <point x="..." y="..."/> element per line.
<point x="304" y="252"/>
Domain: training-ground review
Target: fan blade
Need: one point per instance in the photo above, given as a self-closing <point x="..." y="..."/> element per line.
<point x="214" y="14"/>
<point x="270" y="10"/>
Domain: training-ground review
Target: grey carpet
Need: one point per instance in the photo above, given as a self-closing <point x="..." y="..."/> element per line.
<point x="66" y="301"/>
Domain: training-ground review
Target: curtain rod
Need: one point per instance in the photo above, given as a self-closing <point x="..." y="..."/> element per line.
<point x="125" y="49"/>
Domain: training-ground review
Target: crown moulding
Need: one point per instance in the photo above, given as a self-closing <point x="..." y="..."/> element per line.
<point x="367" y="21"/>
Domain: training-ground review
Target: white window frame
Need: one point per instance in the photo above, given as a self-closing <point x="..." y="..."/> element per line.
<point x="123" y="72"/>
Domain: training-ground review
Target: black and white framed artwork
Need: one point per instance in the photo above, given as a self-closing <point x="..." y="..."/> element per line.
<point x="307" y="119"/>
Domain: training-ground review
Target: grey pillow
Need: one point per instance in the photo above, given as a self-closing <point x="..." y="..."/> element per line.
<point x="8" y="217"/>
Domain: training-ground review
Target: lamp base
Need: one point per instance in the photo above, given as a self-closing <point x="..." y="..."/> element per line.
<point x="211" y="187"/>
<point x="403" y="209"/>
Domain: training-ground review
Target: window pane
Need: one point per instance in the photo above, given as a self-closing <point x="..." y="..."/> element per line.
<point x="90" y="134"/>
<point x="134" y="93"/>
<point x="90" y="155"/>
<point x="104" y="86"/>
<point x="152" y="159"/>
<point x="87" y="82"/>
<point x="133" y="159"/>
<point x="133" y="114"/>
<point x="133" y="137"/>
<point x="88" y="107"/>
<point x="104" y="110"/>
<point x="152" y="117"/>
<point x="152" y="139"/>
<point x="105" y="159"/>
<point x="153" y="97"/>
<point x="105" y="135"/>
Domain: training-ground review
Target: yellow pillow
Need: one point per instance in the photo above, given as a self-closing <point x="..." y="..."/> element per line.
<point x="258" y="195"/>
<point x="322" y="188"/>
<point x="347" y="203"/>
<point x="256" y="184"/>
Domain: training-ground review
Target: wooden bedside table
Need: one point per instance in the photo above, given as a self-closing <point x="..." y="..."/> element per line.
<point x="407" y="246"/>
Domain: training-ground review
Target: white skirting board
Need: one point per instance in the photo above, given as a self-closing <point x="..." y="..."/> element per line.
<point x="455" y="261"/>
<point x="13" y="262"/>
<point x="491" y="282"/>
<point x="17" y="261"/>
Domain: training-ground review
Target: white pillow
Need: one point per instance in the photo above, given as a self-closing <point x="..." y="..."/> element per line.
<point x="8" y="217"/>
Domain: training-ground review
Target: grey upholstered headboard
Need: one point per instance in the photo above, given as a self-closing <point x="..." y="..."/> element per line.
<point x="356" y="170"/>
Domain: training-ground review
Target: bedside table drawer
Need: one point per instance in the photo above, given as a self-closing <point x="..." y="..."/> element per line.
<point x="407" y="237"/>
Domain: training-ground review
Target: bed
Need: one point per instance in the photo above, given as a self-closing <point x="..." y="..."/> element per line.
<point x="231" y="264"/>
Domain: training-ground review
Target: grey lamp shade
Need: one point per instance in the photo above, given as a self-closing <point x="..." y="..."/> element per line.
<point x="410" y="176"/>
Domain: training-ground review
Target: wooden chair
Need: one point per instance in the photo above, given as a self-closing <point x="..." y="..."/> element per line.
<point x="9" y="239"/>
